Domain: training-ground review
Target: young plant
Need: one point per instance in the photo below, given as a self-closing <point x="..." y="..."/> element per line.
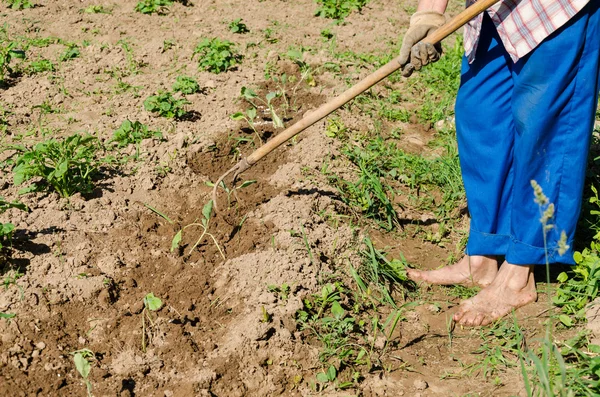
<point x="19" y="4"/>
<point x="251" y="97"/>
<point x="7" y="53"/>
<point x="166" y="105"/>
<point x="206" y="215"/>
<point x="71" y="52"/>
<point x="96" y="9"/>
<point x="66" y="165"/>
<point x="249" y="117"/>
<point x="338" y="9"/>
<point x="83" y="366"/>
<point x="153" y="6"/>
<point x="216" y="55"/>
<point x="237" y="26"/>
<point x="6" y="229"/>
<point x="40" y="66"/>
<point x="186" y="85"/>
<point x="151" y="304"/>
<point x="133" y="132"/>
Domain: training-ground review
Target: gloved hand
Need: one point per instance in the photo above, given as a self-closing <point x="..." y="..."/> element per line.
<point x="414" y="55"/>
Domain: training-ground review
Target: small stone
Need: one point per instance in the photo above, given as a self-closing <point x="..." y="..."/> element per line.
<point x="420" y="384"/>
<point x="35" y="354"/>
<point x="40" y="345"/>
<point x="168" y="393"/>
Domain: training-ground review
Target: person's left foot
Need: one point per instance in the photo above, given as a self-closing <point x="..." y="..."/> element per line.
<point x="513" y="287"/>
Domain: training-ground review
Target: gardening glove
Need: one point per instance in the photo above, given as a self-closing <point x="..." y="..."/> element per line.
<point x="415" y="54"/>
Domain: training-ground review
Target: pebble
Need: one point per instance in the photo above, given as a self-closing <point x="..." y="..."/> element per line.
<point x="40" y="345"/>
<point x="420" y="384"/>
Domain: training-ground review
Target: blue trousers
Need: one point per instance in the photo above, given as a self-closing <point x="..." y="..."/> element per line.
<point x="523" y="121"/>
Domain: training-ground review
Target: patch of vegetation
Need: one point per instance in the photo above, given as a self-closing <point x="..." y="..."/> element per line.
<point x="166" y="105"/>
<point x="66" y="165"/>
<point x="82" y="359"/>
<point x="40" y="66"/>
<point x="153" y="6"/>
<point x="19" y="4"/>
<point x="7" y="229"/>
<point x="338" y="9"/>
<point x="97" y="9"/>
<point x="216" y="55"/>
<point x="71" y="52"/>
<point x="186" y="85"/>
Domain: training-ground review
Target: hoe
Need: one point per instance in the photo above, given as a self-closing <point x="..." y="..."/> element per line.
<point x="326" y="109"/>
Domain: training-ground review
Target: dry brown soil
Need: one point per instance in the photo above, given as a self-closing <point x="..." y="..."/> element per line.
<point x="87" y="262"/>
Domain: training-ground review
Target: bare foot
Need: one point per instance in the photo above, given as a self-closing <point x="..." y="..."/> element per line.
<point x="513" y="287"/>
<point x="470" y="270"/>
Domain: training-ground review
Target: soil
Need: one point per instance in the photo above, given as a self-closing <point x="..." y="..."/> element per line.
<point x="87" y="262"/>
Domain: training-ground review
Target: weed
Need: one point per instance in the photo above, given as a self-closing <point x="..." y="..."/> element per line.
<point x="19" y="4"/>
<point x="151" y="304"/>
<point x="40" y="66"/>
<point x="338" y="9"/>
<point x="216" y="55"/>
<point x="237" y="26"/>
<point x="282" y="292"/>
<point x="83" y="366"/>
<point x="204" y="224"/>
<point x="6" y="229"/>
<point x="166" y="105"/>
<point x="133" y="133"/>
<point x="153" y="6"/>
<point x="7" y="315"/>
<point x="66" y="165"/>
<point x="252" y="97"/>
<point x="186" y="85"/>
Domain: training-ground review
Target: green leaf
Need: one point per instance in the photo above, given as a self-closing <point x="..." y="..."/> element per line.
<point x="207" y="210"/>
<point x="152" y="302"/>
<point x="83" y="366"/>
<point x="237" y="116"/>
<point x="270" y="96"/>
<point x="331" y="373"/>
<point x="251" y="113"/>
<point x="562" y="277"/>
<point x="322" y="377"/>
<point x="7" y="315"/>
<point x="247" y="183"/>
<point x="577" y="257"/>
<point x="337" y="310"/>
<point x="176" y="241"/>
<point x="566" y="320"/>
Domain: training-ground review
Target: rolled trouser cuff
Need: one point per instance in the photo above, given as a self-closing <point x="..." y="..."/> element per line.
<point x="481" y="243"/>
<point x="519" y="253"/>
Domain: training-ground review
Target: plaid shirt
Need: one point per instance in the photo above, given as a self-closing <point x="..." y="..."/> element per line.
<point x="521" y="24"/>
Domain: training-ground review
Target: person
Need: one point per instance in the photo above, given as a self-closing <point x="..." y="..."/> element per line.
<point x="525" y="112"/>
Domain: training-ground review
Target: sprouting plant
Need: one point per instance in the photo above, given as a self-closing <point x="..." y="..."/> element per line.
<point x="82" y="364"/>
<point x="233" y="191"/>
<point x="71" y="52"/>
<point x="216" y="55"/>
<point x="186" y="85"/>
<point x="8" y="51"/>
<point x="166" y="105"/>
<point x="19" y="4"/>
<point x="97" y="9"/>
<point x="237" y="26"/>
<point x="338" y="9"/>
<point x="6" y="229"/>
<point x="153" y="6"/>
<point x="249" y="117"/>
<point x="151" y="304"/>
<point x="66" y="165"/>
<point x="133" y="132"/>
<point x="249" y="95"/>
<point x="204" y="224"/>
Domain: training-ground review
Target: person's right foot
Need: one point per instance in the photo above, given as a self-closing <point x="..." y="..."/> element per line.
<point x="470" y="270"/>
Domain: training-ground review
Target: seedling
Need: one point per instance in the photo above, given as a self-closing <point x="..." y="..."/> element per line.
<point x="234" y="190"/>
<point x="153" y="6"/>
<point x="216" y="55"/>
<point x="40" y="66"/>
<point x="83" y="366"/>
<point x="338" y="9"/>
<point x="151" y="304"/>
<point x="66" y="165"/>
<point x="186" y="85"/>
<point x="19" y="4"/>
<point x="96" y="9"/>
<point x="204" y="224"/>
<point x="7" y="316"/>
<point x="71" y="52"/>
<point x="6" y="229"/>
<point x="166" y="105"/>
<point x="252" y="97"/>
<point x="237" y="26"/>
<point x="7" y="53"/>
<point x="133" y="132"/>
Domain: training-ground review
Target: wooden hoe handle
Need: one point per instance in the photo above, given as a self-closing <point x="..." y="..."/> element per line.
<point x="326" y="109"/>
